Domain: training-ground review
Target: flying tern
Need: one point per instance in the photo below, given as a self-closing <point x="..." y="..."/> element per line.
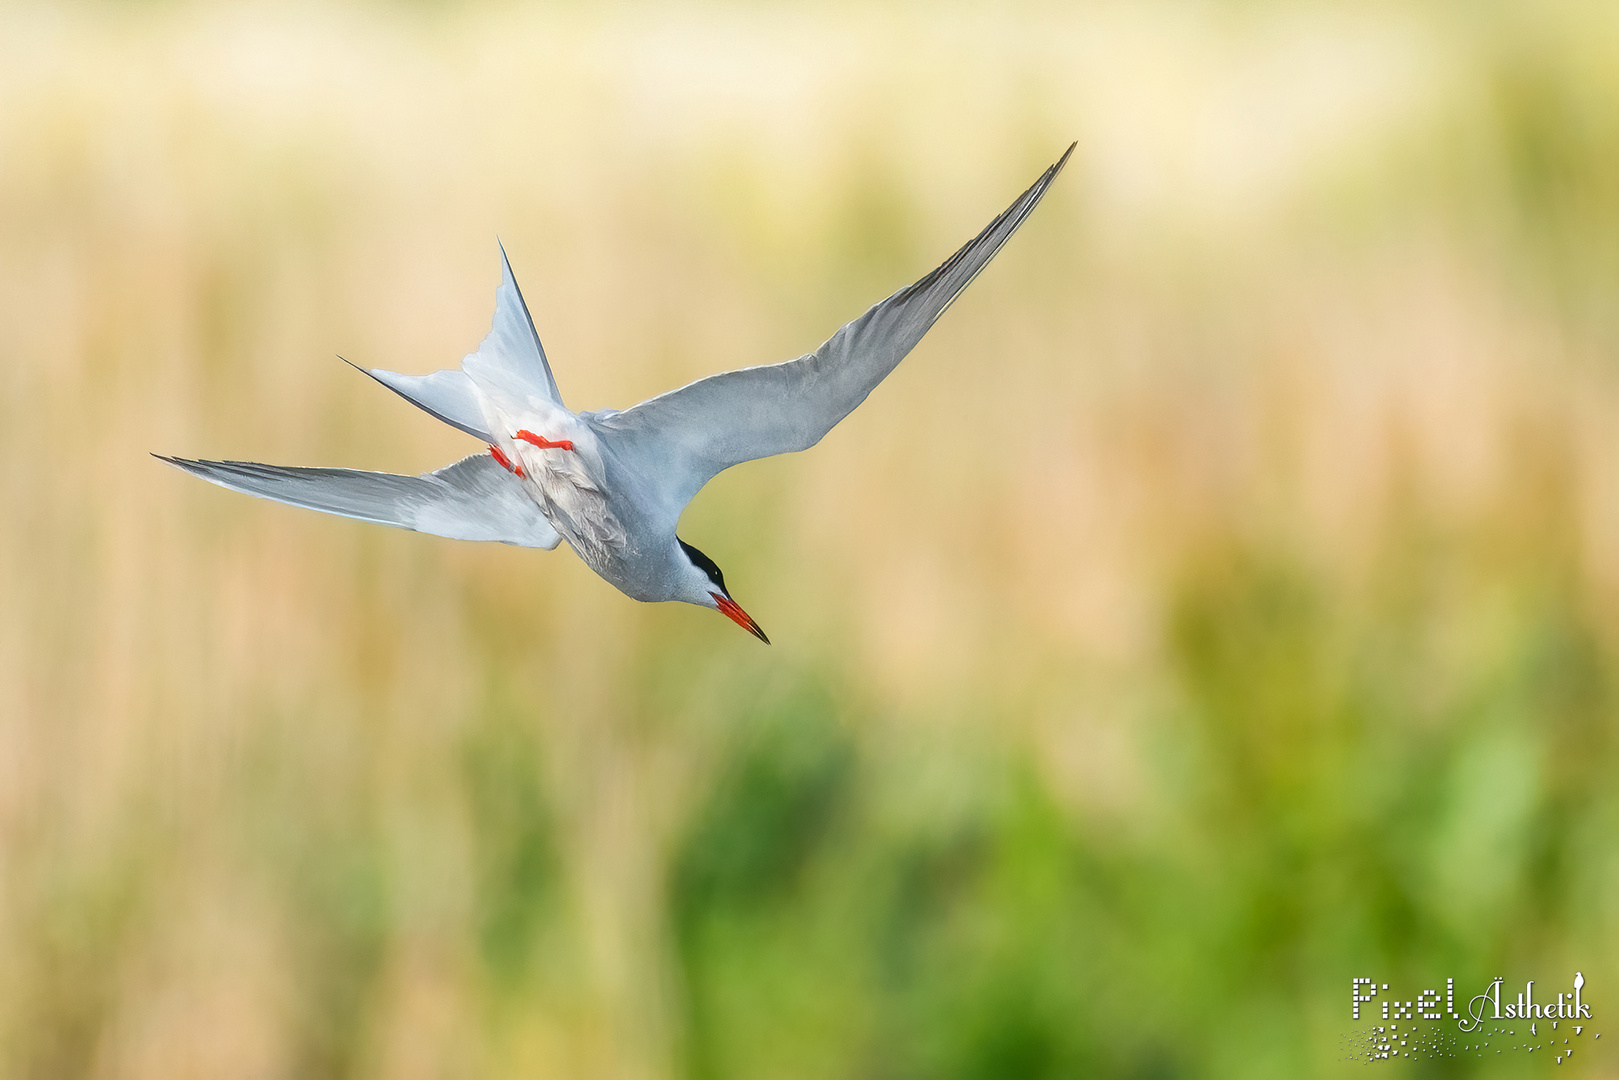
<point x="613" y="484"/>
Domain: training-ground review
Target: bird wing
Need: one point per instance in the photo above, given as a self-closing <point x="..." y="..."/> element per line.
<point x="685" y="437"/>
<point x="474" y="499"/>
<point x="510" y="358"/>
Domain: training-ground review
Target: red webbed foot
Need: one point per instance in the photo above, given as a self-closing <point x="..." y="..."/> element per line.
<point x="545" y="444"/>
<point x="505" y="461"/>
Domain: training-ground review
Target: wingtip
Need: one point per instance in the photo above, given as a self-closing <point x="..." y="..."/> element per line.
<point x="1057" y="168"/>
<point x="185" y="465"/>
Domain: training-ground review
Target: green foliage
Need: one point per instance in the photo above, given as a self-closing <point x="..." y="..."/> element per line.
<point x="513" y="837"/>
<point x="1325" y="820"/>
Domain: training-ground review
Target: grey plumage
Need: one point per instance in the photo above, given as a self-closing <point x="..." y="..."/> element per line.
<point x="474" y="499"/>
<point x="707" y="426"/>
<point x="613" y="484"/>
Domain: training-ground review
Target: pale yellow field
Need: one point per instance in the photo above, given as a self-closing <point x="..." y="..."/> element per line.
<point x="1222" y="602"/>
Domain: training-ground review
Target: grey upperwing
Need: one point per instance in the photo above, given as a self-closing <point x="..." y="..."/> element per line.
<point x="688" y="435"/>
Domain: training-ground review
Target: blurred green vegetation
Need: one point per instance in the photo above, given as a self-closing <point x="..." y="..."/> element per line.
<point x="1219" y="606"/>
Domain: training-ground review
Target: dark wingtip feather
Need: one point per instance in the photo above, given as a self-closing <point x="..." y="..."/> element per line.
<point x="988" y="242"/>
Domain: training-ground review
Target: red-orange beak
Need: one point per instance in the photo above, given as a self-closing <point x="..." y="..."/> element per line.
<point x="738" y="616"/>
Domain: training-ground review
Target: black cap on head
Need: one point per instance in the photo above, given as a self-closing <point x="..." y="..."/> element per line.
<point x="705" y="564"/>
<point x="722" y="599"/>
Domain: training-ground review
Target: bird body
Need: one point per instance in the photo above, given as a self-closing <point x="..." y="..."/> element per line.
<point x="613" y="484"/>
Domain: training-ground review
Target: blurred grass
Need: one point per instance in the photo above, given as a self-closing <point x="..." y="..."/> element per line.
<point x="1221" y="603"/>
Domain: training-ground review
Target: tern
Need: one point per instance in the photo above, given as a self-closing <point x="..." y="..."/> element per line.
<point x="613" y="484"/>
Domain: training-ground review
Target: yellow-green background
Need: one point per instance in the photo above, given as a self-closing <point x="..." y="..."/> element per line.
<point x="1220" y="604"/>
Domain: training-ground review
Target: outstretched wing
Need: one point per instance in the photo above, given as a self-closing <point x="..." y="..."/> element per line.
<point x="510" y="358"/>
<point x="474" y="499"/>
<point x="684" y="437"/>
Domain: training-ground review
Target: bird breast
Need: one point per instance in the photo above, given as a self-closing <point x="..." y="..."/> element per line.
<point x="567" y="483"/>
<point x="573" y="502"/>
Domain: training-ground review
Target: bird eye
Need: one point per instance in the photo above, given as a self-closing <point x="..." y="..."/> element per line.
<point x="705" y="564"/>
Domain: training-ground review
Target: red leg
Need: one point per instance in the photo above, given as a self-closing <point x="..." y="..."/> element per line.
<point x="545" y="444"/>
<point x="505" y="461"/>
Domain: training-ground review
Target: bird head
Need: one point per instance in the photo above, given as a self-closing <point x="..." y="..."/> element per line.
<point x="705" y="586"/>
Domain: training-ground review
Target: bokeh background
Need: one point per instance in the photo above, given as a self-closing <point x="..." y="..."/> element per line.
<point x="1220" y="604"/>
